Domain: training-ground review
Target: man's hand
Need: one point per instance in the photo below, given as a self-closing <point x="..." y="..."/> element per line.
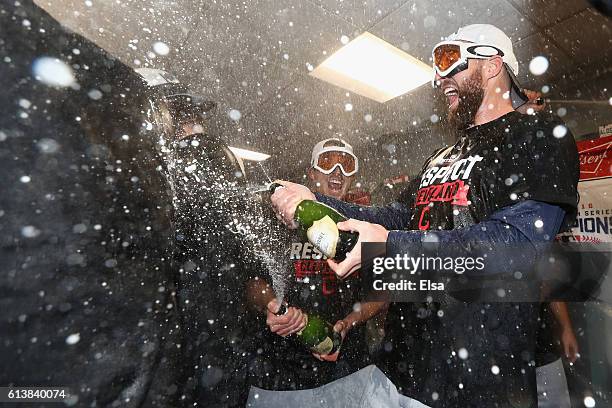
<point x="341" y="327"/>
<point x="532" y="103"/>
<point x="291" y="322"/>
<point x="570" y="345"/>
<point x="285" y="200"/>
<point x="367" y="233"/>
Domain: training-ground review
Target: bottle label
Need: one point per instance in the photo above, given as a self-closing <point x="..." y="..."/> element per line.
<point x="324" y="347"/>
<point x="324" y="235"/>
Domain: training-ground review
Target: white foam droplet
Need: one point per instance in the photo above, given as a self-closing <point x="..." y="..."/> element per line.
<point x="24" y="103"/>
<point x="368" y="118"/>
<point x="538" y="223"/>
<point x="53" y="72"/>
<point x="73" y="339"/>
<point x="30" y="231"/>
<point x="344" y="39"/>
<point x="495" y="369"/>
<point x="463" y="353"/>
<point x="25" y="179"/>
<point x="95" y="94"/>
<point x="235" y="115"/>
<point x="161" y="48"/>
<point x="589" y="402"/>
<point x="47" y="145"/>
<point x="538" y="65"/>
<point x="348" y="107"/>
<point x="559" y="131"/>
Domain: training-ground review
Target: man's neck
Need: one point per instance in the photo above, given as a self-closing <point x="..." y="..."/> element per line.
<point x="493" y="106"/>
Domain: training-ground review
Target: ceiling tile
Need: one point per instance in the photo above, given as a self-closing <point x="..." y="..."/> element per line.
<point x="585" y="37"/>
<point x="128" y="30"/>
<point x="224" y="59"/>
<point x="296" y="32"/>
<point x="361" y="13"/>
<point x="545" y="13"/>
<point x="419" y="25"/>
<point x="540" y="45"/>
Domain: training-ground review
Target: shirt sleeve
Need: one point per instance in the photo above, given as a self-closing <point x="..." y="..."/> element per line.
<point x="531" y="224"/>
<point x="544" y="167"/>
<point x="394" y="216"/>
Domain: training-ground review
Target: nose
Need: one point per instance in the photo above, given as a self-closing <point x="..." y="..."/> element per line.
<point x="337" y="171"/>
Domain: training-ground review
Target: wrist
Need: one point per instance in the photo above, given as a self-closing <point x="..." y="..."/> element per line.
<point x="567" y="330"/>
<point x="351" y="320"/>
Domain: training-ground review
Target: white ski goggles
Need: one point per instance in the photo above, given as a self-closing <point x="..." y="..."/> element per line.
<point x="326" y="162"/>
<point x="451" y="57"/>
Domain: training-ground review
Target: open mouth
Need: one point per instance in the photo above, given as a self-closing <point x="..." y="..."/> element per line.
<point x="335" y="184"/>
<point x="452" y="96"/>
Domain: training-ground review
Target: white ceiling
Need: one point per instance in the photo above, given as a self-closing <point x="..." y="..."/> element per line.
<point x="253" y="56"/>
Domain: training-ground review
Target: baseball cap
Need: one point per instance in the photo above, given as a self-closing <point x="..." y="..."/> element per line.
<point x="490" y="35"/>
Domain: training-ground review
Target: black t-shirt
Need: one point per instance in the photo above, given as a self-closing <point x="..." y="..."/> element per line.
<point x="494" y="165"/>
<point x="489" y="167"/>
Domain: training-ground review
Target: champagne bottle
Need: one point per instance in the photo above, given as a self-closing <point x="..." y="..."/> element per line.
<point x="319" y="221"/>
<point x="318" y="335"/>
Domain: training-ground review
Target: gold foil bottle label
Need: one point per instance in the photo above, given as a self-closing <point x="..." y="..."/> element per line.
<point x="324" y="235"/>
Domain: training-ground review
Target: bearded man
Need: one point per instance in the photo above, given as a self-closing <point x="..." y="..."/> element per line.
<point x="516" y="177"/>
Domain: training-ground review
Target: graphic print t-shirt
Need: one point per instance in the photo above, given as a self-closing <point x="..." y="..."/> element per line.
<point x="513" y="158"/>
<point x="313" y="287"/>
<point x="491" y="166"/>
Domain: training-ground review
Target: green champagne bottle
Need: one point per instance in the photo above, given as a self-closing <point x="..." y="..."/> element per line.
<point x="319" y="221"/>
<point x="318" y="335"/>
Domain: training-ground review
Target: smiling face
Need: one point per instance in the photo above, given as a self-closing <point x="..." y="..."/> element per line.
<point x="464" y="93"/>
<point x="335" y="185"/>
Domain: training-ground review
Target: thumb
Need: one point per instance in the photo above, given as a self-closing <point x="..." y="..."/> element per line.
<point x="348" y="225"/>
<point x="273" y="306"/>
<point x="340" y="326"/>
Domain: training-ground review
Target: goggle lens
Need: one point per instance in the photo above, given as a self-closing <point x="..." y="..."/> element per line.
<point x="446" y="55"/>
<point x="328" y="160"/>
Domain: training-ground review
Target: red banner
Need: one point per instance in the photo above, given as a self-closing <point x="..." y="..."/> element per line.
<point x="595" y="158"/>
<point x="594" y="222"/>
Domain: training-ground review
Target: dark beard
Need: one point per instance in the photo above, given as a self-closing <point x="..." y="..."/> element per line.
<point x="470" y="99"/>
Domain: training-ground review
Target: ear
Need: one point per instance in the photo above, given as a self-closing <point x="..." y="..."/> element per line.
<point x="311" y="175"/>
<point x="493" y="67"/>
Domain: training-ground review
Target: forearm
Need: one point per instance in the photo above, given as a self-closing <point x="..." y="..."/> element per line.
<point x="258" y="294"/>
<point x="392" y="216"/>
<point x="559" y="310"/>
<point x="368" y="310"/>
<point x="528" y="226"/>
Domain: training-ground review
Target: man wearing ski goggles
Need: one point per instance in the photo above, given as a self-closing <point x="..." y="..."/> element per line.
<point x="451" y="59"/>
<point x="333" y="167"/>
